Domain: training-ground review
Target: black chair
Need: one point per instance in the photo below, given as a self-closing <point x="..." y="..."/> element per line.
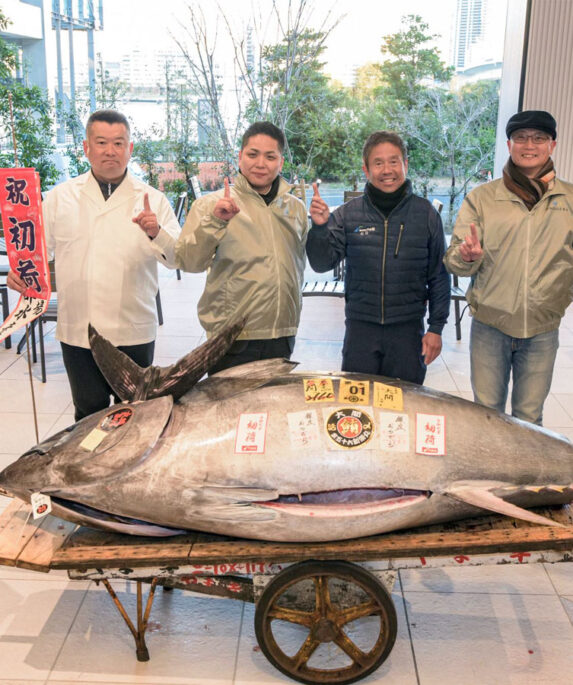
<point x="5" y="303"/>
<point x="180" y="206"/>
<point x="51" y="314"/>
<point x="333" y="287"/>
<point x="4" y="288"/>
<point x="457" y="294"/>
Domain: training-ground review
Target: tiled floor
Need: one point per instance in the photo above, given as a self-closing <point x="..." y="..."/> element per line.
<point x="472" y="625"/>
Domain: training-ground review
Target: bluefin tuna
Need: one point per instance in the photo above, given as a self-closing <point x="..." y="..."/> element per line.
<point x="265" y="452"/>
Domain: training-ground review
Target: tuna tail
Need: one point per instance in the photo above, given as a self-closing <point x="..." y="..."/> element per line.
<point x="484" y="499"/>
<point x="131" y="382"/>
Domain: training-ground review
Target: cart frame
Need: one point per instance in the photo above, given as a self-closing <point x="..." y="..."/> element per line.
<point x="248" y="570"/>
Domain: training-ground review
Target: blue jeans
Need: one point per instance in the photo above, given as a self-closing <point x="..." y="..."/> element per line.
<point x="495" y="355"/>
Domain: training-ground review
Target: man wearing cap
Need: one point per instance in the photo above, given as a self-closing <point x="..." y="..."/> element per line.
<point x="514" y="237"/>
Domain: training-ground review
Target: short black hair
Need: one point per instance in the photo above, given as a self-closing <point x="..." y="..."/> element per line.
<point x="378" y="137"/>
<point x="110" y="116"/>
<point x="265" y="128"/>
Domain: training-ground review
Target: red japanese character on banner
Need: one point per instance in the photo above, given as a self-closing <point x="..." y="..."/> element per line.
<point x="21" y="211"/>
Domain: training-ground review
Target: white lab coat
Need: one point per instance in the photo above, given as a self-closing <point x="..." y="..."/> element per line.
<point x="106" y="266"/>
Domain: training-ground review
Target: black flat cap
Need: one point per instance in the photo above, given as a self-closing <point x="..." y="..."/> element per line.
<point x="532" y="118"/>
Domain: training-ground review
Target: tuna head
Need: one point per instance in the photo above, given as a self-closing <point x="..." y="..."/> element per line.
<point x="91" y="454"/>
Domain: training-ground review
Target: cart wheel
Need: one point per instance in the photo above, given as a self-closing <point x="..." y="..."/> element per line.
<point x="334" y="621"/>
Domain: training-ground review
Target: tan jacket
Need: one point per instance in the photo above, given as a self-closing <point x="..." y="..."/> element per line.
<point x="524" y="282"/>
<point x="255" y="261"/>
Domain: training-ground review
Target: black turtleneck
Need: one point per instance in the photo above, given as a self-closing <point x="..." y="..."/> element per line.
<point x="108" y="188"/>
<point x="270" y="196"/>
<point x="386" y="202"/>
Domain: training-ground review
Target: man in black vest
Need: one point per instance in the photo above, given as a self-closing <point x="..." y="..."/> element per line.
<point x="393" y="243"/>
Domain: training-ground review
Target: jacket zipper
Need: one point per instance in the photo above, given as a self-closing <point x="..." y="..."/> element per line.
<point x="384" y="266"/>
<point x="526" y="276"/>
<point x="277" y="275"/>
<point x="399" y="239"/>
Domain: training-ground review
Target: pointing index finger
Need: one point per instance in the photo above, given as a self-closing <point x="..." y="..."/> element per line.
<point x="146" y="207"/>
<point x="227" y="193"/>
<point x="315" y="189"/>
<point x="474" y="233"/>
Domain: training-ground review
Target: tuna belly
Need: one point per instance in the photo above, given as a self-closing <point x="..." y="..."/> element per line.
<point x="346" y="503"/>
<point x="343" y="515"/>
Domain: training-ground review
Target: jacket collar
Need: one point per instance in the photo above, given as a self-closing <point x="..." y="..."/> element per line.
<point x="503" y="194"/>
<point x="92" y="192"/>
<point x="243" y="186"/>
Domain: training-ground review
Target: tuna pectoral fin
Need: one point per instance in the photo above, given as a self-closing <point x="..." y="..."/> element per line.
<point x="238" y="493"/>
<point x="240" y="512"/>
<point x="484" y="499"/>
<point x="132" y="382"/>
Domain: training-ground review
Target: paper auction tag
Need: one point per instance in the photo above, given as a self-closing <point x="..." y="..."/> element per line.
<point x="41" y="505"/>
<point x="318" y="390"/>
<point x="93" y="439"/>
<point x="354" y="392"/>
<point x="388" y="397"/>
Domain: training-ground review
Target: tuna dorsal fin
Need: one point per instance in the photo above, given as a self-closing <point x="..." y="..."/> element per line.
<point x="239" y="379"/>
<point x="484" y="499"/>
<point x="132" y="382"/>
<point x="262" y="369"/>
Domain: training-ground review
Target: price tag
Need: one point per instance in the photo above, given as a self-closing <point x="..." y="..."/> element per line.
<point x="353" y="392"/>
<point x="388" y="397"/>
<point x="41" y="505"/>
<point x="93" y="439"/>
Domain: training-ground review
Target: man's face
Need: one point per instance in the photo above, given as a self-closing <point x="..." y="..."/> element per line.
<point x="386" y="169"/>
<point x="108" y="150"/>
<point x="530" y="149"/>
<point x="260" y="162"/>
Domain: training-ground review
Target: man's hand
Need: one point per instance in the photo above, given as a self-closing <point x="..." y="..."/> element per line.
<point x="226" y="208"/>
<point x="319" y="211"/>
<point x="146" y="219"/>
<point x="431" y="347"/>
<point x="470" y="250"/>
<point x="15" y="282"/>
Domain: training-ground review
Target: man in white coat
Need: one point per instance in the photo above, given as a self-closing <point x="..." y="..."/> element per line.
<point x="107" y="230"/>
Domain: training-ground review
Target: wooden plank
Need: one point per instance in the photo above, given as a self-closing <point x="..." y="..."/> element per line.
<point x="27" y="543"/>
<point x="387" y="546"/>
<point x="49" y="537"/>
<point x="12" y="524"/>
<point x="89" y="548"/>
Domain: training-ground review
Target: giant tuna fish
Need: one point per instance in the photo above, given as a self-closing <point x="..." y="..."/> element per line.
<point x="260" y="451"/>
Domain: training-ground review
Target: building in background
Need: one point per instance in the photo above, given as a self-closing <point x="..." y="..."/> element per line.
<point x="478" y="38"/>
<point x="55" y="40"/>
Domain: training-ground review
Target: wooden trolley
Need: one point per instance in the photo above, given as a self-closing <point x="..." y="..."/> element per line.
<point x="335" y="592"/>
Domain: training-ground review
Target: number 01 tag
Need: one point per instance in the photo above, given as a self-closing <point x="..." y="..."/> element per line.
<point x="41" y="505"/>
<point x="354" y="392"/>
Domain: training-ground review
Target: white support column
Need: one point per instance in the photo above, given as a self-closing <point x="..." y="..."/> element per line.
<point x="548" y="80"/>
<point x="538" y="73"/>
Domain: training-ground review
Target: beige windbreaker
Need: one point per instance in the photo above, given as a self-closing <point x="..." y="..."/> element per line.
<point x="255" y="262"/>
<point x="524" y="282"/>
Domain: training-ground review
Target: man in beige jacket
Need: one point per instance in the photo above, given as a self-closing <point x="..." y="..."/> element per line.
<point x="250" y="237"/>
<point x="514" y="237"/>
